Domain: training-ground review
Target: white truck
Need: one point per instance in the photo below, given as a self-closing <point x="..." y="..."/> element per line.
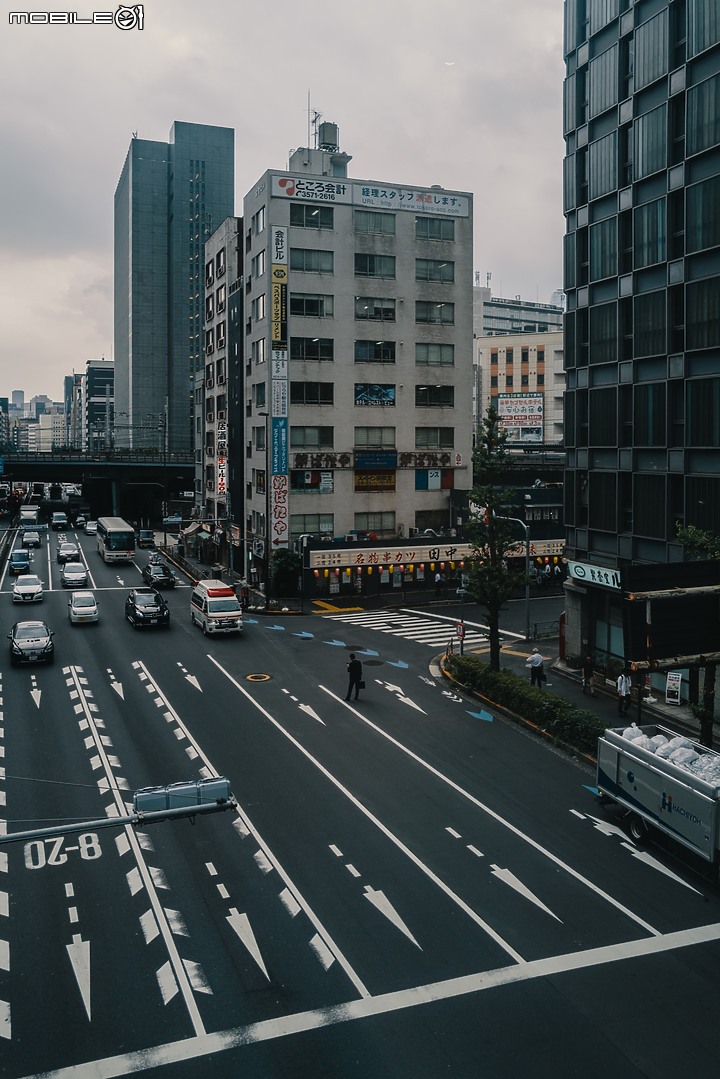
<point x="664" y="781"/>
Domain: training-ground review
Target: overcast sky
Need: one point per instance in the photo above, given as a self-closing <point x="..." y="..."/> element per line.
<point x="462" y="93"/>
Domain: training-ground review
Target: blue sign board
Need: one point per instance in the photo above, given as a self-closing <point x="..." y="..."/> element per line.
<point x="375" y="459"/>
<point x="279" y="446"/>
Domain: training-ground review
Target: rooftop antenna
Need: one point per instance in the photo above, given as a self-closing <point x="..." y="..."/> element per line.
<point x="316" y="117"/>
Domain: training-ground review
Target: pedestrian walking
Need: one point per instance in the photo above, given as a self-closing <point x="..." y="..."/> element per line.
<point x="537" y="669"/>
<point x="355" y="678"/>
<point x="588" y="673"/>
<point x="624" y="687"/>
<point x="438" y="583"/>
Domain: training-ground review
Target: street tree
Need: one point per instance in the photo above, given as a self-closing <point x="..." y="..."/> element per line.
<point x="494" y="528"/>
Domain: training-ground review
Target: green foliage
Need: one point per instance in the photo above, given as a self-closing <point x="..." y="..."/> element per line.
<point x="699" y="544"/>
<point x="576" y="728"/>
<point x="286" y="568"/>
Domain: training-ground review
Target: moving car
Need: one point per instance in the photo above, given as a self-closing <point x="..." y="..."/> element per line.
<point x="74" y="575"/>
<point x="215" y="608"/>
<point x="90" y="528"/>
<point x="82" y="608"/>
<point x="173" y="519"/>
<point x="68" y="552"/>
<point x="31" y="642"/>
<point x="146" y="538"/>
<point x="80" y="520"/>
<point x="31" y="539"/>
<point x="146" y="607"/>
<point x="59" y="522"/>
<point x="19" y="561"/>
<point x="28" y="589"/>
<point x="158" y="575"/>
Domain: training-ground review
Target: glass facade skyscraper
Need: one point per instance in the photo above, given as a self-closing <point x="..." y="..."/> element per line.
<point x="170" y="197"/>
<point x="642" y="282"/>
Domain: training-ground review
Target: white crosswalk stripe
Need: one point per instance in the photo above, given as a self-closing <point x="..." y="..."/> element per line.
<point x="429" y="631"/>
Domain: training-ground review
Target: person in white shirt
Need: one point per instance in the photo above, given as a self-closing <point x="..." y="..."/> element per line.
<point x="537" y="672"/>
<point x="624" y="687"/>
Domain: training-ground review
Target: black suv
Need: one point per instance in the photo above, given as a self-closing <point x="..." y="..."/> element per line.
<point x="146" y="607"/>
<point x="158" y="575"/>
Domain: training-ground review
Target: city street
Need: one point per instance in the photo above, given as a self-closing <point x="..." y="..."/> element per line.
<point x="410" y="885"/>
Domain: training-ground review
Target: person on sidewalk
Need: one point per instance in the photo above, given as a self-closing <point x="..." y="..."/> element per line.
<point x="588" y="674"/>
<point x="537" y="669"/>
<point x="354" y="669"/>
<point x="624" y="688"/>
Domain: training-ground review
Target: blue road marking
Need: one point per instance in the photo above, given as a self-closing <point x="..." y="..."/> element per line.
<point x="305" y="635"/>
<point x="336" y="644"/>
<point x="367" y="652"/>
<point x="593" y="790"/>
<point x="276" y="627"/>
<point x="481" y="715"/>
<point x="397" y="663"/>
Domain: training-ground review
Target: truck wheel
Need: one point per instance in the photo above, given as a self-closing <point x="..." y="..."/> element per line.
<point x="637" y="828"/>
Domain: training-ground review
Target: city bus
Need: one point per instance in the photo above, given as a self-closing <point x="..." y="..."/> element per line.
<point x="115" y="539"/>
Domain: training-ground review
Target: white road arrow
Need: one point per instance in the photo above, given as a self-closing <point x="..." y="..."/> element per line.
<point x="509" y="878"/>
<point x="605" y="827"/>
<point x="643" y="856"/>
<point x="383" y="904"/>
<point x="311" y="712"/>
<point x="241" y="924"/>
<point x="79" y="953"/>
<point x="36" y="694"/>
<point x="117" y="686"/>
<point x="392" y="688"/>
<point x="193" y="681"/>
<point x="406" y="700"/>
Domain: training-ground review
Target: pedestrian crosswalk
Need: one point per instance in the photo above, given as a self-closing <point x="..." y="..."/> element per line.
<point x="422" y="629"/>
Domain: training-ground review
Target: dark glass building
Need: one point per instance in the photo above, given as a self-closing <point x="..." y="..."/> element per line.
<point x="642" y="282"/>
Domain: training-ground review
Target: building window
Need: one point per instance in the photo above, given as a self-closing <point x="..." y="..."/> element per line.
<point x="372" y="221"/>
<point x="603" y="333"/>
<point x="258" y="351"/>
<point x="434" y="438"/>
<point x="703" y="25"/>
<point x="375" y="308"/>
<point x="703" y="115"/>
<point x="435" y="396"/>
<point x="434" y="270"/>
<point x="650" y="142"/>
<point x="649" y="414"/>
<point x="305" y="480"/>
<point x="209" y="272"/>
<point x="313" y="524"/>
<point x="602" y="166"/>
<point x="311" y="438"/>
<point x="651" y="50"/>
<point x="702" y="315"/>
<point x="258" y="264"/>
<point x="220" y="262"/>
<point x="434" y="228"/>
<point x="312" y="348"/>
<point x="258" y="308"/>
<point x="702" y="203"/>
<point x="374" y="352"/>
<point x="602" y="416"/>
<point x="603" y="249"/>
<point x="374" y="393"/>
<point x="603" y="81"/>
<point x="429" y="311"/>
<point x="376" y="438"/>
<point x="258" y="393"/>
<point x="308" y="260"/>
<point x="209" y="308"/>
<point x="258" y="221"/>
<point x="220" y="298"/>
<point x="649" y="319"/>
<point x="304" y="216"/>
<point x="259" y="437"/>
<point x="703" y="412"/>
<point x="311" y="305"/>
<point x="311" y="393"/>
<point x="376" y="522"/>
<point x="209" y="343"/>
<point x="650" y="233"/>
<point x="220" y="335"/>
<point x="375" y="266"/>
<point x="432" y="355"/>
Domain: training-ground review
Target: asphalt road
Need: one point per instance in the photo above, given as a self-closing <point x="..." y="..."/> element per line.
<point x="410" y="886"/>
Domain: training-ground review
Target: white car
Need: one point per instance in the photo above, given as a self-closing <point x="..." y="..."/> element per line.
<point x="82" y="608"/>
<point x="74" y="575"/>
<point x="90" y="528"/>
<point x="28" y="589"/>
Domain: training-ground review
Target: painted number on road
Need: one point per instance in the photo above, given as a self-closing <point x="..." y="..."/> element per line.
<point x="55" y="850"/>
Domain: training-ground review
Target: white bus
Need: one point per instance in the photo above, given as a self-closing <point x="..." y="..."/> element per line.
<point x="115" y="539"/>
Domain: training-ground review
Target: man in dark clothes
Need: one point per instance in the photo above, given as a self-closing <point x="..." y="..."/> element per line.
<point x="355" y="676"/>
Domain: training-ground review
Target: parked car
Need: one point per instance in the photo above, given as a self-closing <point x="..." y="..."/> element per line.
<point x="82" y="607"/>
<point x="146" y="607"/>
<point x="67" y="552"/>
<point x="28" y="589"/>
<point x="19" y="561"/>
<point x="146" y="538"/>
<point x="31" y="539"/>
<point x="74" y="575"/>
<point x="158" y="575"/>
<point x="90" y="528"/>
<point x="31" y="642"/>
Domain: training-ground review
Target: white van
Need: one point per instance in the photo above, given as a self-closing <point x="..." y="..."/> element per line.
<point x="215" y="607"/>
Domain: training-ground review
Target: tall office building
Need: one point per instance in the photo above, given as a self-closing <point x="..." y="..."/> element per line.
<point x="170" y="197"/>
<point x="642" y="280"/>
<point x="358" y="353"/>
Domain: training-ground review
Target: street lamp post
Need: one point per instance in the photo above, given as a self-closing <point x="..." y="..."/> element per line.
<point x="526" y="528"/>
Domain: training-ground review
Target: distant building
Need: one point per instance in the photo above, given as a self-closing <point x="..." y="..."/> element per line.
<point x="493" y="315"/>
<point x="522" y="376"/>
<point x="98" y="404"/>
<point x="170" y="197"/>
